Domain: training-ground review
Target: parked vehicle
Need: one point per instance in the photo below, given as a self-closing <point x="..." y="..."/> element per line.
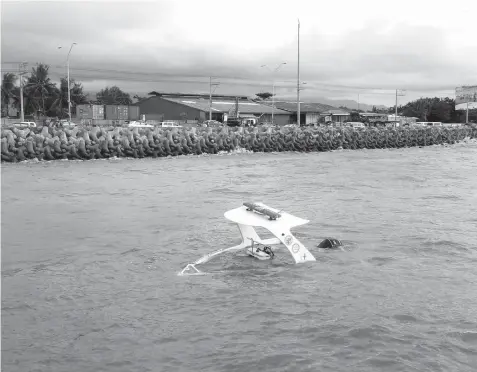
<point x="355" y="124"/>
<point x="67" y="124"/>
<point x="211" y="123"/>
<point x="169" y="124"/>
<point x="234" y="122"/>
<point x="25" y="124"/>
<point x="427" y="124"/>
<point x="139" y="124"/>
<point x="267" y="124"/>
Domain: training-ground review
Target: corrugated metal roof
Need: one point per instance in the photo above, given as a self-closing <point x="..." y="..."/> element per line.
<point x="224" y="106"/>
<point x="336" y="112"/>
<point x="371" y="114"/>
<point x="194" y="95"/>
<point x="304" y="107"/>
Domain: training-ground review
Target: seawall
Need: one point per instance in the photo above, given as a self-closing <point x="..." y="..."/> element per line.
<point x="98" y="142"/>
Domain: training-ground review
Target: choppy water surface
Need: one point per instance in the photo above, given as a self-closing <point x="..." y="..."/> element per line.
<point x="91" y="251"/>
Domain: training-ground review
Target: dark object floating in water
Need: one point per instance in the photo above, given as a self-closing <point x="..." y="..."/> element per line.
<point x="330" y="243"/>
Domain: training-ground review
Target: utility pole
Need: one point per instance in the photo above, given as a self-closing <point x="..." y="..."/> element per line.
<point x="396" y="110"/>
<point x="358" y="102"/>
<point x="395" y="114"/>
<point x="298" y="79"/>
<point x="21" y="73"/>
<point x="68" y="77"/>
<point x="237" y="114"/>
<point x="210" y="97"/>
<point x="273" y="86"/>
<point x="273" y="102"/>
<point x="69" y="92"/>
<point x="467" y="113"/>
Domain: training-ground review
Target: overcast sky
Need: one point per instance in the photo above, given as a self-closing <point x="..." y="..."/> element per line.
<point x="347" y="47"/>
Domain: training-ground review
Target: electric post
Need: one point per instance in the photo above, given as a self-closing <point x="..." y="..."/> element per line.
<point x="210" y="96"/>
<point x="21" y="72"/>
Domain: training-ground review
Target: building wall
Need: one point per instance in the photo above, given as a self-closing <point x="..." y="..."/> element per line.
<point x="294" y="118"/>
<point x="279" y="119"/>
<point x="156" y="117"/>
<point x="133" y="113"/>
<point x="156" y="107"/>
<point x="312" y="118"/>
<point x="336" y="118"/>
<point x="341" y="118"/>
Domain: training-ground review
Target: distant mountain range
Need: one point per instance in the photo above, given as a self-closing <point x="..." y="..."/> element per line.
<point x="349" y="103"/>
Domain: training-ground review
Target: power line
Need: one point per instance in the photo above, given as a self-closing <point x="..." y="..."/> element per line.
<point x="153" y="78"/>
<point x="151" y="74"/>
<point x="157" y="74"/>
<point x="321" y="86"/>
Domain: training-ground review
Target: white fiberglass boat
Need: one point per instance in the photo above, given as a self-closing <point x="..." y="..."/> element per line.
<point x="252" y="215"/>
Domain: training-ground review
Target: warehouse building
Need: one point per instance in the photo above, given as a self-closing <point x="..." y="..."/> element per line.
<point x="336" y="115"/>
<point x="193" y="108"/>
<point x="310" y="113"/>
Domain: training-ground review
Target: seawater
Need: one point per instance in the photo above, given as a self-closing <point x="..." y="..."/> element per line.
<point x="91" y="252"/>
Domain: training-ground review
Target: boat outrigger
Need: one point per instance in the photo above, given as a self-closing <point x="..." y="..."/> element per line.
<point x="251" y="215"/>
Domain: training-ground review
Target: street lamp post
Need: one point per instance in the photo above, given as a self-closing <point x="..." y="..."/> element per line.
<point x="298" y="90"/>
<point x="68" y="77"/>
<point x="273" y="87"/>
<point x="298" y="78"/>
<point x="21" y="73"/>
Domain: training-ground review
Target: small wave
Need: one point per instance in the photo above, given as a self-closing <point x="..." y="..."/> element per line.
<point x="23" y="306"/>
<point x="11" y="272"/>
<point x="380" y="261"/>
<point x="373" y="332"/>
<point x="133" y="250"/>
<point x="119" y="364"/>
<point x="411" y="178"/>
<point x="136" y="170"/>
<point x="278" y="360"/>
<point x="405" y="318"/>
<point x="41" y="267"/>
<point x="384" y="361"/>
<point x="469" y="337"/>
<point x="444" y="197"/>
<point x="355" y="199"/>
<point x="432" y="244"/>
<point x="231" y="191"/>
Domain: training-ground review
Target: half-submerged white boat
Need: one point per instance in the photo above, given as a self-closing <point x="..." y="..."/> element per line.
<point x="277" y="222"/>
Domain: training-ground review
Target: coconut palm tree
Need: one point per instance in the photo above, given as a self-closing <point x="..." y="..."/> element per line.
<point x="8" y="91"/>
<point x="59" y="104"/>
<point x="39" y="88"/>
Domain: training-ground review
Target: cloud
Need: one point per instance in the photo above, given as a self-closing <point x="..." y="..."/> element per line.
<point x="346" y="47"/>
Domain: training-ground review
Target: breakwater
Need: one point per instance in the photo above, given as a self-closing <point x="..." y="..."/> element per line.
<point x="98" y="142"/>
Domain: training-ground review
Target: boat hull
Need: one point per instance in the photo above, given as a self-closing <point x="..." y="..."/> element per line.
<point x="258" y="254"/>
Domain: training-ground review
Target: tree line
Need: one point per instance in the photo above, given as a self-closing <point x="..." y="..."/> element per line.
<point x="425" y="109"/>
<point x="436" y="109"/>
<point x="42" y="96"/>
<point x="428" y="109"/>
